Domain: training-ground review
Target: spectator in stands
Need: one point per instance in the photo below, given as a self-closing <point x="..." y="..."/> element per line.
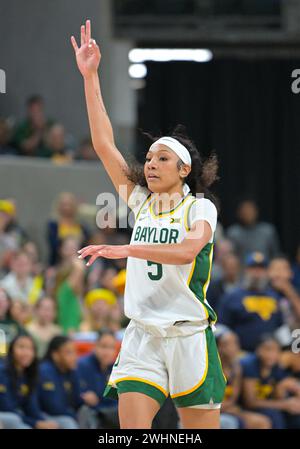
<point x="99" y="304"/>
<point x="31" y="249"/>
<point x="223" y="249"/>
<point x="290" y="360"/>
<point x="38" y="272"/>
<point x="19" y="407"/>
<point x="65" y="225"/>
<point x="86" y="151"/>
<point x="281" y="275"/>
<point x="98" y="237"/>
<point x="107" y="277"/>
<point x="229" y="350"/>
<point x="94" y="371"/>
<point x="21" y="312"/>
<point x="253" y="308"/>
<point x="120" y="239"/>
<point x="29" y="135"/>
<point x="43" y="327"/>
<point x="5" y="137"/>
<point x="56" y="147"/>
<point x="12" y="236"/>
<point x="19" y="283"/>
<point x="59" y="385"/>
<point x="8" y="325"/>
<point x="119" y="281"/>
<point x="267" y="387"/>
<point x="231" y="274"/>
<point x="119" y="321"/>
<point x="104" y="276"/>
<point x="296" y="270"/>
<point x="250" y="235"/>
<point x="69" y="286"/>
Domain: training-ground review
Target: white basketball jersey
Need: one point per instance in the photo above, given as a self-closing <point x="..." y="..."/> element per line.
<point x="163" y="294"/>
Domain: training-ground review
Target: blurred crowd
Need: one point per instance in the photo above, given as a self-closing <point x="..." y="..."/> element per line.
<point x="61" y="323"/>
<point x="40" y="136"/>
<point x="255" y="292"/>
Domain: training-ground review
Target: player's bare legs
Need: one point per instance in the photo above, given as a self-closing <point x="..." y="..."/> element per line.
<point x="195" y="418"/>
<point x="136" y="410"/>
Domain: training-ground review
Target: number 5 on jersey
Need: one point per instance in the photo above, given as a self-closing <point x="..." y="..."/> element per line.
<point x="156" y="270"/>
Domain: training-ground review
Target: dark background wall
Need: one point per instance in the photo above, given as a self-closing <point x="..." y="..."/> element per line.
<point x="246" y="112"/>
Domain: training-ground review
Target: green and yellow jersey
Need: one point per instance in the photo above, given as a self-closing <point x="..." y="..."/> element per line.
<point x="162" y="294"/>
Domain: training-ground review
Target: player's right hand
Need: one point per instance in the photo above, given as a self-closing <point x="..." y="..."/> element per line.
<point x="88" y="55"/>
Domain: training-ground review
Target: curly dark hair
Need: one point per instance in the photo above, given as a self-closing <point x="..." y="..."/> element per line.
<point x="203" y="174"/>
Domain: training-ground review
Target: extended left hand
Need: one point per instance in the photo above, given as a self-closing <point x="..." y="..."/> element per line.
<point x="107" y="251"/>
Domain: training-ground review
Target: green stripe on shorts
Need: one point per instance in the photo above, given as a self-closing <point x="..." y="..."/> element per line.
<point x="213" y="388"/>
<point x="126" y="386"/>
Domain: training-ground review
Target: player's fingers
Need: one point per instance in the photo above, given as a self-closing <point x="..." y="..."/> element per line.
<point x="82" y="35"/>
<point x="90" y="251"/>
<point x="90" y="247"/>
<point x="92" y="44"/>
<point x="87" y="252"/>
<point x="96" y="47"/>
<point x="74" y="43"/>
<point x="84" y="248"/>
<point x="92" y="259"/>
<point x="87" y="30"/>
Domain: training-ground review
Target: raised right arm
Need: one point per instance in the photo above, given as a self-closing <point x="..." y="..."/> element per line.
<point x="88" y="58"/>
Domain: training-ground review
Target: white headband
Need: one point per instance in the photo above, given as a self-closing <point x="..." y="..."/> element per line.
<point x="177" y="147"/>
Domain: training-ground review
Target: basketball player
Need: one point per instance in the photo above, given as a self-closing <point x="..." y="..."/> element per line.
<point x="169" y="346"/>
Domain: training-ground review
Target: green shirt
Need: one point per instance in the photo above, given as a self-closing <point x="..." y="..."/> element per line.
<point x="69" y="308"/>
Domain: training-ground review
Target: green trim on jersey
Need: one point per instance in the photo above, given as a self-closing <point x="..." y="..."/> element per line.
<point x="187" y="216"/>
<point x="212" y="389"/>
<point x="143" y="205"/>
<point x="200" y="277"/>
<point x="126" y="386"/>
<point x="161" y="214"/>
